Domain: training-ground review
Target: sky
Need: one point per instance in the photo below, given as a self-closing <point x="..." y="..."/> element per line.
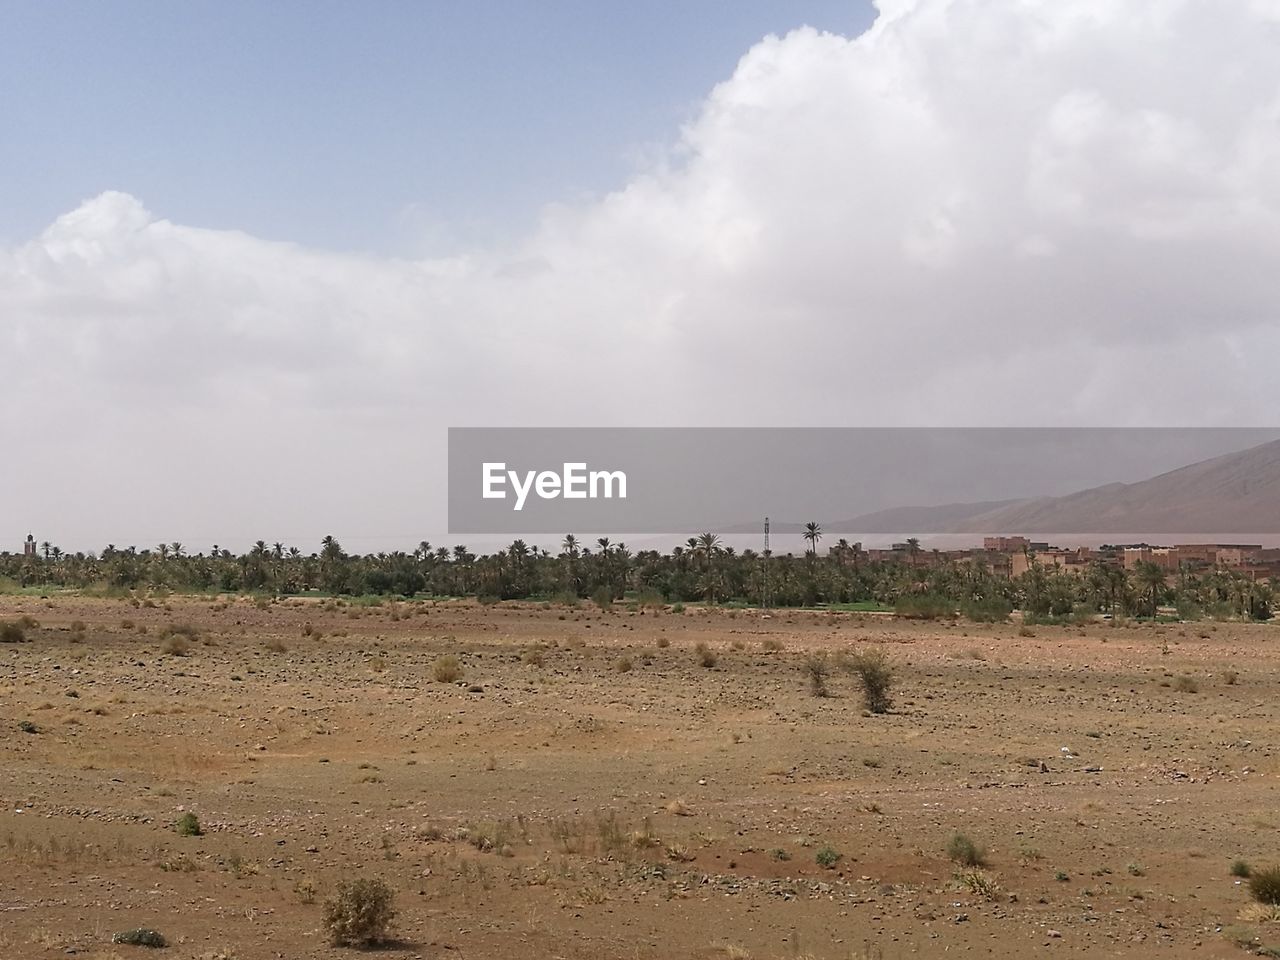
<point x="255" y="259"/>
<point x="396" y="127"/>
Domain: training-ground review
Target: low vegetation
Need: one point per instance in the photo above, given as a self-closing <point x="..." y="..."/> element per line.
<point x="141" y="937"/>
<point x="1264" y="885"/>
<point x="187" y="825"/>
<point x="874" y="671"/>
<point x="965" y="851"/>
<point x="447" y="669"/>
<point x="360" y="913"/>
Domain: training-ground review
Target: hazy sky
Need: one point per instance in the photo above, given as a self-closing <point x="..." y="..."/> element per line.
<point x="256" y="258"/>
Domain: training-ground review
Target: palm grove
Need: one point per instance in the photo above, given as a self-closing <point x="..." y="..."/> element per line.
<point x="703" y="569"/>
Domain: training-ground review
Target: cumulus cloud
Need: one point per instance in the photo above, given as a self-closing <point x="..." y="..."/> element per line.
<point x="1032" y="212"/>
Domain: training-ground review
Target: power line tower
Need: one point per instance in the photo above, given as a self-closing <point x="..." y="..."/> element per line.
<point x="764" y="591"/>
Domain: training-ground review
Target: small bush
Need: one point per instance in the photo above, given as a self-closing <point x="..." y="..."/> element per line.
<point x="360" y="913"/>
<point x="276" y="645"/>
<point x="188" y="825"/>
<point x="1185" y="684"/>
<point x="1241" y="868"/>
<point x="827" y="857"/>
<point x="447" y="669"/>
<point x="771" y="645"/>
<point x="817" y="669"/>
<point x="923" y="607"/>
<point x="663" y="643"/>
<point x="12" y="633"/>
<point x="623" y="665"/>
<point x="706" y="656"/>
<point x="987" y="610"/>
<point x="1264" y="885"/>
<point x="875" y="673"/>
<point x="965" y="852"/>
<point x="141" y="937"/>
<point x="603" y="598"/>
<point x="978" y="882"/>
<point x="176" y="645"/>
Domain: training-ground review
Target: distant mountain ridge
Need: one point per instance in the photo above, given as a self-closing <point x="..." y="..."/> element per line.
<point x="1236" y="493"/>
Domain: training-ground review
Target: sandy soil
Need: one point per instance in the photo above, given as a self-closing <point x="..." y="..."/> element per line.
<point x="552" y="805"/>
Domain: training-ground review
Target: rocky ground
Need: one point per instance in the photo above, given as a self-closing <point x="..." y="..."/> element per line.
<point x="588" y="788"/>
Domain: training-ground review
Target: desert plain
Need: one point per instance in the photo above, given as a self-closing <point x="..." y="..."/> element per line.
<point x="628" y="783"/>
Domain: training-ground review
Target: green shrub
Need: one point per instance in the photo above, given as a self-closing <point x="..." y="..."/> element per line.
<point x="827" y="857"/>
<point x="603" y="598"/>
<point x="141" y="937"/>
<point x="875" y="673"/>
<point x="12" y="633"/>
<point x="1241" y="869"/>
<point x="925" y="606"/>
<point x="1264" y="885"/>
<point x="360" y="913"/>
<point x="188" y="825"/>
<point x="986" y="609"/>
<point x="651" y="598"/>
<point x="965" y="852"/>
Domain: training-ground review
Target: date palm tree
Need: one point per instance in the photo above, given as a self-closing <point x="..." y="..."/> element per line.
<point x="812" y="533"/>
<point x="1151" y="583"/>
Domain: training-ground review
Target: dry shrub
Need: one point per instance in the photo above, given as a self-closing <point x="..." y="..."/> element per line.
<point x="447" y="669"/>
<point x="1264" y="885"/>
<point x="816" y="668"/>
<point x="875" y="673"/>
<point x="176" y="645"/>
<point x="360" y="913"/>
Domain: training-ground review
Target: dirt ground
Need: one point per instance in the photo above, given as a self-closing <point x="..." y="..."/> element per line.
<point x="589" y="789"/>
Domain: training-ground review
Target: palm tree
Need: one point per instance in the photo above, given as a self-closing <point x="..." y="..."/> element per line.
<point x="812" y="533"/>
<point x="913" y="549"/>
<point x="1151" y="581"/>
<point x="707" y="544"/>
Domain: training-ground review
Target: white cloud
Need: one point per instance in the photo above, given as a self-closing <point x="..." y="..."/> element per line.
<point x="1025" y="212"/>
